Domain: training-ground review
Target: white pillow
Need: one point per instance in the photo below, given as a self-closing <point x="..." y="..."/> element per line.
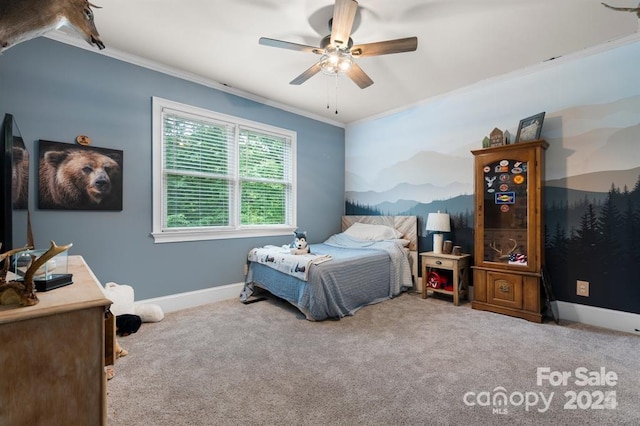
<point x="402" y="242"/>
<point x="365" y="231"/>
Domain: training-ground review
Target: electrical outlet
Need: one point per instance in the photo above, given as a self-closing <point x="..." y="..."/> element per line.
<point x="582" y="288"/>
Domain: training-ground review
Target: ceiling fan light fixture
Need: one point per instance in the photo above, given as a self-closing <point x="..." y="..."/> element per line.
<point x="345" y="64"/>
<point x="334" y="61"/>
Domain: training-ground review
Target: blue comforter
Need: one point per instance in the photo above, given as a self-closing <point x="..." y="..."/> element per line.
<point x="359" y="273"/>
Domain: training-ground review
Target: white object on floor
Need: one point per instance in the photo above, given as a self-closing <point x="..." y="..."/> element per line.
<point x="122" y="297"/>
<point x="148" y="312"/>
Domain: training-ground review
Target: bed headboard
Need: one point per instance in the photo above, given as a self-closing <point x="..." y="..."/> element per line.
<point x="408" y="225"/>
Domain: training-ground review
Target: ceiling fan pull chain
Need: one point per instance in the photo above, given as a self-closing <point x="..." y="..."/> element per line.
<point x="328" y="95"/>
<point x="336" y="93"/>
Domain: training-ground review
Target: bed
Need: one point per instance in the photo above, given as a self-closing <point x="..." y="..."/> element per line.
<point x="373" y="259"/>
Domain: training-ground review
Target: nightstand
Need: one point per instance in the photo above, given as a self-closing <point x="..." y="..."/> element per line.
<point x="459" y="265"/>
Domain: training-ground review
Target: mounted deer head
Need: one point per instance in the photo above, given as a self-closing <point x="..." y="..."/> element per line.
<point x="22" y="20"/>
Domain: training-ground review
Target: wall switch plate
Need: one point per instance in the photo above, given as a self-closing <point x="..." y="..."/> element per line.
<point x="582" y="288"/>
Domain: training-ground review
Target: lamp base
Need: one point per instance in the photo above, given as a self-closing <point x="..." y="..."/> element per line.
<point x="437" y="243"/>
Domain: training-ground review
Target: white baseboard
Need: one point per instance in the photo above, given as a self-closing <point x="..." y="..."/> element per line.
<point x="599" y="317"/>
<point x="176" y="302"/>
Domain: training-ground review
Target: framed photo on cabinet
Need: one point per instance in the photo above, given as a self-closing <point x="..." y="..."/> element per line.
<point x="530" y="128"/>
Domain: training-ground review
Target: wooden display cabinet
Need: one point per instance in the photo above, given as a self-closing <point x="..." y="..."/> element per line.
<point x="509" y="229"/>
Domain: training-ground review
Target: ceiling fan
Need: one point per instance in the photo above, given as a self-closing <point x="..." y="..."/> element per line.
<point x="337" y="50"/>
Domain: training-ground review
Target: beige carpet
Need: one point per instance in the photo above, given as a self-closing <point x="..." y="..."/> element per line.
<point x="406" y="361"/>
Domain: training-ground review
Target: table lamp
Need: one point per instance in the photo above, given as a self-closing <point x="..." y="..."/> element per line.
<point x="438" y="223"/>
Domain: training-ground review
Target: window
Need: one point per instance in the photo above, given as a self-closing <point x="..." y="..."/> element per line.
<point x="217" y="176"/>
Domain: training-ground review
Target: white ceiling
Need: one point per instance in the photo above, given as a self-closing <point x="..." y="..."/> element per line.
<point x="460" y="42"/>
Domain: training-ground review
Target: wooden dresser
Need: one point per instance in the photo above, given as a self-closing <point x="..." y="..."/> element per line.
<point x="52" y="355"/>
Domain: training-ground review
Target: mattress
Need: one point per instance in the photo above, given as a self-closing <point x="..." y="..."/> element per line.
<point x="358" y="274"/>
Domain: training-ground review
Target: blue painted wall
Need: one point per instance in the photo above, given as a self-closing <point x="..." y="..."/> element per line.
<point x="57" y="92"/>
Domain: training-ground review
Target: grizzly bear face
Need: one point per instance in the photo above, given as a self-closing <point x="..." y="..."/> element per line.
<point x="77" y="178"/>
<point x="86" y="172"/>
<point x="20" y="177"/>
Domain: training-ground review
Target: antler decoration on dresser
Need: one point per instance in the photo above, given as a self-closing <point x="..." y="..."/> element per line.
<point x="22" y="20"/>
<point x="22" y="292"/>
<point x="499" y="251"/>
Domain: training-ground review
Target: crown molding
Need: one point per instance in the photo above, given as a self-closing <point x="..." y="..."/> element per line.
<point x="63" y="37"/>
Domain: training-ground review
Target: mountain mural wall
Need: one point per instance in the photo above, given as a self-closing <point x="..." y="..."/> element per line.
<point x="592" y="189"/>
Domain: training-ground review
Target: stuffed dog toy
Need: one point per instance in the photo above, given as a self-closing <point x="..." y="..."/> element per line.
<point x="299" y="244"/>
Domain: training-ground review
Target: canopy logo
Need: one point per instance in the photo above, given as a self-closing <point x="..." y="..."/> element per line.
<point x="591" y="398"/>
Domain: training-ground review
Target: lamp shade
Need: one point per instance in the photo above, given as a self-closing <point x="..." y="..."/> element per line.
<point x="438" y="222"/>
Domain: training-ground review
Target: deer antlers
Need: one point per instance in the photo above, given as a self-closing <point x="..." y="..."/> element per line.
<point x="625" y="9"/>
<point x="22" y="292"/>
<point x="499" y="251"/>
<point x="7" y="255"/>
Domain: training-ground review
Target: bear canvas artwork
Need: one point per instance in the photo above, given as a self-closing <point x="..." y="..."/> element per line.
<point x="75" y="177"/>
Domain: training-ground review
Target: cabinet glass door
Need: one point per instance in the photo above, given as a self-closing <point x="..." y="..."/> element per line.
<point x="505" y="212"/>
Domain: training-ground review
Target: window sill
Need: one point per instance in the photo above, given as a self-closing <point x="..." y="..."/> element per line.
<point x="199" y="235"/>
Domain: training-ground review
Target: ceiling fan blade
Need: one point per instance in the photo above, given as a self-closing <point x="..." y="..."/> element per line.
<point x="288" y="45"/>
<point x="310" y="72"/>
<point x="359" y="77"/>
<point x="344" y="13"/>
<point x="400" y="45"/>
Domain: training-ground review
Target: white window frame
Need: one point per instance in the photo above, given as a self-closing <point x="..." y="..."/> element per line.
<point x="235" y="230"/>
